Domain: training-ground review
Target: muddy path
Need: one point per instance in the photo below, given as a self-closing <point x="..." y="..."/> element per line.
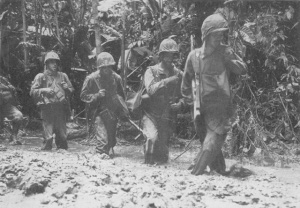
<point x="80" y="178"/>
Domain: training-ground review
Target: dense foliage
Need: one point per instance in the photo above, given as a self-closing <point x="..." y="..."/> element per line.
<point x="265" y="34"/>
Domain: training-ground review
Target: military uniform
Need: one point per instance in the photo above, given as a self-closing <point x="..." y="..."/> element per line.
<point x="104" y="109"/>
<point x="54" y="108"/>
<point x="213" y="71"/>
<point x="163" y="88"/>
<point x="8" y="108"/>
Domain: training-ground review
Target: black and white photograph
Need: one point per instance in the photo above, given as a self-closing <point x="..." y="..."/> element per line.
<point x="150" y="103"/>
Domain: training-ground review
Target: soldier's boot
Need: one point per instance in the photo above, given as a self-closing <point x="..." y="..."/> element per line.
<point x="47" y="144"/>
<point x="192" y="165"/>
<point x="161" y="154"/>
<point x="208" y="154"/>
<point x="58" y="144"/>
<point x="218" y="164"/>
<point x="63" y="144"/>
<point x="102" y="150"/>
<point x="202" y="162"/>
<point x="14" y="140"/>
<point x="148" y="151"/>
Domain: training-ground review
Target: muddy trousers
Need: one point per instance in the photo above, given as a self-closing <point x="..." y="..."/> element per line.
<point x="158" y="132"/>
<point x="54" y="125"/>
<point x="105" y="127"/>
<point x="212" y="130"/>
<point x="12" y="113"/>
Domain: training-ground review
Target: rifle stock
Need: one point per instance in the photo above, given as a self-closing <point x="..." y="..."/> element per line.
<point x="196" y="98"/>
<point x="195" y="89"/>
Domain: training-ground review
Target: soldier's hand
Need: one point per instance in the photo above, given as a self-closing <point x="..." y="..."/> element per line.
<point x="102" y="93"/>
<point x="48" y="91"/>
<point x="176" y="106"/>
<point x="64" y="85"/>
<point x="172" y="80"/>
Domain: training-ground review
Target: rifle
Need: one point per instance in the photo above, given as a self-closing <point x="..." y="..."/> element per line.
<point x="195" y="89"/>
<point x="196" y="97"/>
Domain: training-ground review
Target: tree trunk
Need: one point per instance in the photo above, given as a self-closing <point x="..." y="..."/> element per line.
<point x="36" y="21"/>
<point x="70" y="2"/>
<point x="24" y="35"/>
<point x="97" y="27"/>
<point x="82" y="12"/>
<point x="298" y="30"/>
<point x="56" y="22"/>
<point x="123" y="67"/>
<point x="0" y="43"/>
<point x="41" y="25"/>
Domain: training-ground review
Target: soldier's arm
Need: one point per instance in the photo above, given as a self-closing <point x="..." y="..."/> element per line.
<point x="186" y="83"/>
<point x="153" y="87"/>
<point x="5" y="84"/>
<point x="120" y="88"/>
<point x="234" y="63"/>
<point x="183" y="105"/>
<point x="86" y="94"/>
<point x="36" y="87"/>
<point x="67" y="80"/>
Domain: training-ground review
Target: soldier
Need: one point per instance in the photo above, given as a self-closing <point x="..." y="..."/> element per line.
<point x="162" y="83"/>
<point x="51" y="91"/>
<point x="103" y="91"/>
<point x="211" y="66"/>
<point x="9" y="110"/>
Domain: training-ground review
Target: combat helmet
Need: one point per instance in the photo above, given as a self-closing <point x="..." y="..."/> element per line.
<point x="105" y="59"/>
<point x="51" y="55"/>
<point x="213" y="23"/>
<point x="168" y="45"/>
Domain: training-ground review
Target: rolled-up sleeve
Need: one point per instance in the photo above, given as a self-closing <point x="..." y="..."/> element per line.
<point x="153" y="87"/>
<point x="70" y="86"/>
<point x="86" y="95"/>
<point x="36" y="87"/>
<point x="234" y="63"/>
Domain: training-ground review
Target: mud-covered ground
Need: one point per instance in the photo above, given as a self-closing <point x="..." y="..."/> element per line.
<point x="80" y="178"/>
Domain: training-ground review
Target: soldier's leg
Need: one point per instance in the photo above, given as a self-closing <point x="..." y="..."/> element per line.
<point x="200" y="128"/>
<point x="111" y="127"/>
<point x="13" y="114"/>
<point x="48" y="120"/>
<point x="101" y="136"/>
<point x="60" y="128"/>
<point x="151" y="133"/>
<point x="211" y="150"/>
<point x="219" y="164"/>
<point x="161" y="146"/>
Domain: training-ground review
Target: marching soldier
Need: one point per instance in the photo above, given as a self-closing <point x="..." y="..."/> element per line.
<point x="51" y="91"/>
<point x="103" y="91"/>
<point x="9" y="110"/>
<point x="162" y="83"/>
<point x="210" y="67"/>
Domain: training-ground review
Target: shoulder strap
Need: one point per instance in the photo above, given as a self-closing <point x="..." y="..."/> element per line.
<point x="95" y="80"/>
